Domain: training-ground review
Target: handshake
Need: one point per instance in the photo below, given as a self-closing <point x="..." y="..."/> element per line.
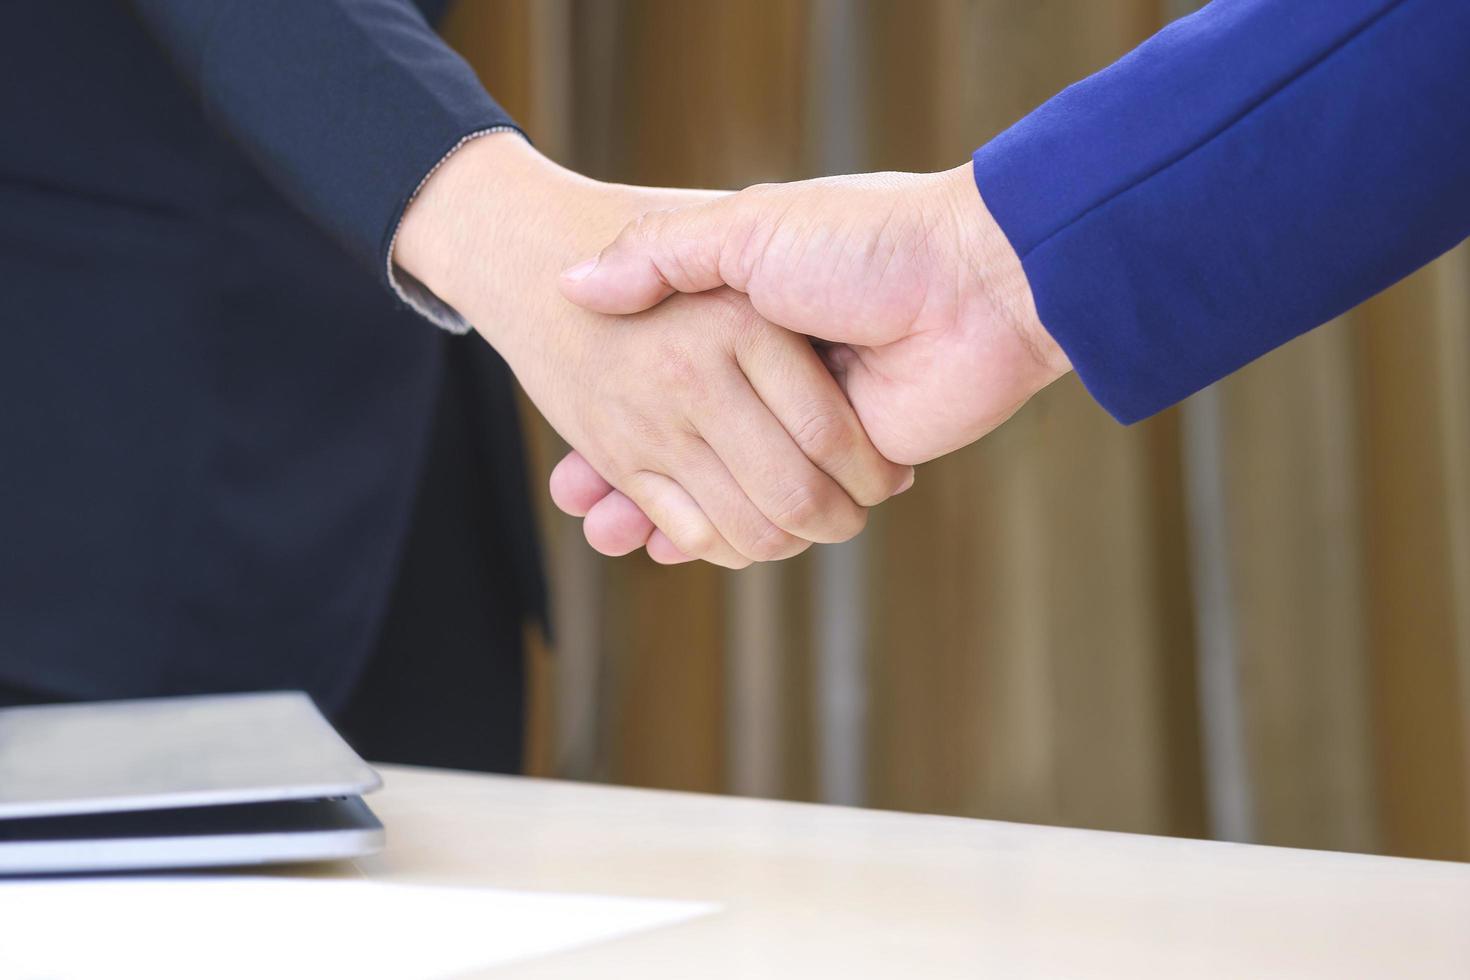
<point x="739" y="375"/>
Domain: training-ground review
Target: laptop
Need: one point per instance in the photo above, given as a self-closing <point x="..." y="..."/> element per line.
<point x="187" y="782"/>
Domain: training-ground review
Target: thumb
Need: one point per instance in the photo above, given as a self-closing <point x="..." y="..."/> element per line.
<point x="661" y="253"/>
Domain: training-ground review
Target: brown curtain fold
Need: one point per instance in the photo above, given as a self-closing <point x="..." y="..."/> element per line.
<point x="1028" y="608"/>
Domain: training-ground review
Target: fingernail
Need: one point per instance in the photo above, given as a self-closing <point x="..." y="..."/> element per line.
<point x="908" y="482"/>
<point x="581" y="270"/>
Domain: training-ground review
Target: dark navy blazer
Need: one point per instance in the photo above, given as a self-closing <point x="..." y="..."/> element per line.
<point x="1247" y="174"/>
<point x="212" y="419"/>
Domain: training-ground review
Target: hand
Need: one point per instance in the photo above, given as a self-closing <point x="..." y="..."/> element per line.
<point x="725" y="430"/>
<point x="937" y="337"/>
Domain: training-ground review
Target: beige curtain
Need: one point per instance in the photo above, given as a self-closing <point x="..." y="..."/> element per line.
<point x="1031" y="618"/>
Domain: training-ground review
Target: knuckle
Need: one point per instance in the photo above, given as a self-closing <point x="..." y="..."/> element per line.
<point x="804" y="505"/>
<point x="816" y="509"/>
<point x="680" y="265"/>
<point x="823" y="434"/>
<point x="678" y="366"/>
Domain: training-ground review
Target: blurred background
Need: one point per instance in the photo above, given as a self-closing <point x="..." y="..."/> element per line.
<point x="1247" y="618"/>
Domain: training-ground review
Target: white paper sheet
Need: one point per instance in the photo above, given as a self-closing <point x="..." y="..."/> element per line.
<point x="227" y="927"/>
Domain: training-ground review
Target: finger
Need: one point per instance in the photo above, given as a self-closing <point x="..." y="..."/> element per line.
<point x="685" y="250"/>
<point x="798" y="389"/>
<point x="674" y="511"/>
<point x="615" y="526"/>
<point x="702" y="474"/>
<point x="772" y="471"/>
<point x="662" y="550"/>
<point x="576" y="486"/>
<point x="709" y="481"/>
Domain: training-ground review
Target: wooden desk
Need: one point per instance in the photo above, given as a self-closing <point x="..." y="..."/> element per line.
<point x="812" y="891"/>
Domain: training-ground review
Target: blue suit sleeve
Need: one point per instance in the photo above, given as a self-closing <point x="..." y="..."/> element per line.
<point x="345" y="105"/>
<point x="1248" y="173"/>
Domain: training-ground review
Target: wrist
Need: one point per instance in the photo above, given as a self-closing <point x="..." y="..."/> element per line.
<point x="494" y="213"/>
<point x="993" y="279"/>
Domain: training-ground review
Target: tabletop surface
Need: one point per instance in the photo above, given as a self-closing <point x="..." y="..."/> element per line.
<point x="814" y="891"/>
